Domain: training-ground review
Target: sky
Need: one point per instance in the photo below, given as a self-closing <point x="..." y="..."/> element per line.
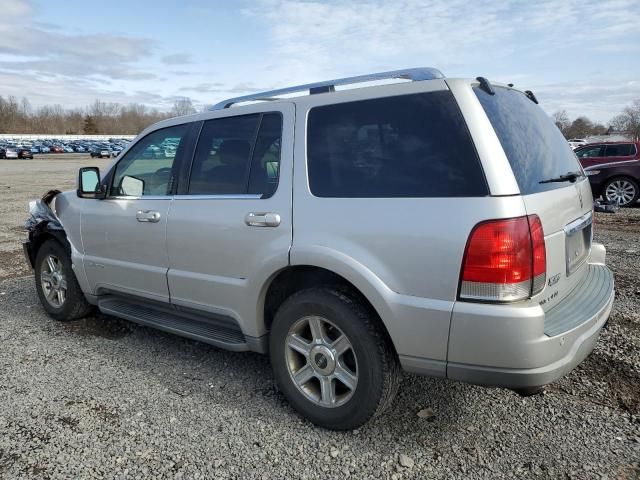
<point x="582" y="56"/>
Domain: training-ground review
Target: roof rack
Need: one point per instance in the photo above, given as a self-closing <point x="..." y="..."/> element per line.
<point x="414" y="74"/>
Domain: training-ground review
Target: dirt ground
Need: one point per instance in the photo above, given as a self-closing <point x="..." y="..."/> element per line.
<point x="24" y="180"/>
<point x="587" y="425"/>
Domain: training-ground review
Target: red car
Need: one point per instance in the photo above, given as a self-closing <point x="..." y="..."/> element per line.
<point x="607" y="152"/>
<point x="57" y="149"/>
<point x="618" y="182"/>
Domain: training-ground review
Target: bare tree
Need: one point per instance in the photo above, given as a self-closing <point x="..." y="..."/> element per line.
<point x="182" y="106"/>
<point x="561" y="119"/>
<point x="628" y="121"/>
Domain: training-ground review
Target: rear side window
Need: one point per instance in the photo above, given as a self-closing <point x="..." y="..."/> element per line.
<point x="536" y="149"/>
<point x="237" y="155"/>
<point x="620" y="150"/>
<point x="404" y="146"/>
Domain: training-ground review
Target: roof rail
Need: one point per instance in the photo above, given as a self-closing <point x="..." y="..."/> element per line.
<point x="415" y="74"/>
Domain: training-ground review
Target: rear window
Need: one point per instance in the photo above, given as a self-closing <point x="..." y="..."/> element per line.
<point x="535" y="147"/>
<point x="404" y="146"/>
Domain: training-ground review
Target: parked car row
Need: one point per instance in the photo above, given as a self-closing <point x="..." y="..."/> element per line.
<point x="15" y="152"/>
<point x="613" y="169"/>
<point x="14" y="148"/>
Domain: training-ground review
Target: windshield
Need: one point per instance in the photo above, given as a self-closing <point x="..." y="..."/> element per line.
<point x="536" y="149"/>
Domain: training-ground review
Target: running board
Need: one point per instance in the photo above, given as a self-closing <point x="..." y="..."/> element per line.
<point x="219" y="331"/>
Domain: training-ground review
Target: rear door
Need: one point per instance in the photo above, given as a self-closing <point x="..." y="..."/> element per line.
<point x="539" y="155"/>
<point x="230" y="226"/>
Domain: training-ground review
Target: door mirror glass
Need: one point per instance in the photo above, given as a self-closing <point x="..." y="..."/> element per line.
<point x="131" y="186"/>
<point x="89" y="183"/>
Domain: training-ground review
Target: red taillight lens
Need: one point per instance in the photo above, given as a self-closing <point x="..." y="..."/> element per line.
<point x="502" y="259"/>
<point x="539" y="255"/>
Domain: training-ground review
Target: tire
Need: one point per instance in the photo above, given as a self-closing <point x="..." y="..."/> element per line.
<point x="72" y="304"/>
<point x="370" y="358"/>
<point x="623" y="190"/>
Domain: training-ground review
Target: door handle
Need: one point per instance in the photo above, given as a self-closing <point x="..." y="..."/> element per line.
<point x="148" y="216"/>
<point x="262" y="219"/>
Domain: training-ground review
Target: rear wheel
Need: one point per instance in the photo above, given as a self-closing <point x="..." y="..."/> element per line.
<point x="331" y="359"/>
<point x="56" y="283"/>
<point x="622" y="190"/>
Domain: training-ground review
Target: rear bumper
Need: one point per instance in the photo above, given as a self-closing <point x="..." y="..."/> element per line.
<point x="526" y="347"/>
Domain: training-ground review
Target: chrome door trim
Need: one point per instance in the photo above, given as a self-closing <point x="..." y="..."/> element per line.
<point x="239" y="196"/>
<point x="579" y="223"/>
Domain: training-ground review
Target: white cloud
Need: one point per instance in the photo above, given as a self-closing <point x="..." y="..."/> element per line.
<point x="554" y="47"/>
<point x="314" y="40"/>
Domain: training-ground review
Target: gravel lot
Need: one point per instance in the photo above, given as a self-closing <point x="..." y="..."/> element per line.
<point x="105" y="398"/>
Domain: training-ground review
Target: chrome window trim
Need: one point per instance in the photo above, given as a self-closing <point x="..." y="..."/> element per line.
<point x="142" y="197"/>
<point x="239" y="196"/>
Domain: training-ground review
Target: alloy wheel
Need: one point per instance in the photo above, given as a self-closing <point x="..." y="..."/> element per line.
<point x="321" y="361"/>
<point x="53" y="281"/>
<point x="621" y="191"/>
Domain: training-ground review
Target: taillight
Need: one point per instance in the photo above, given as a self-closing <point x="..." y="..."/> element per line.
<point x="539" y="255"/>
<point x="505" y="260"/>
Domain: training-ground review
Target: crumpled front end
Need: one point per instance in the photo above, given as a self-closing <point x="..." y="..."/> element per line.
<point x="40" y="223"/>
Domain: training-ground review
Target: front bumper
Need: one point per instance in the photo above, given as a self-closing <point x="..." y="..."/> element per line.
<point x="515" y="347"/>
<point x="29" y="254"/>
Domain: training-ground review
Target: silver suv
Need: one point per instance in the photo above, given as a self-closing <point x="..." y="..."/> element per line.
<point x="437" y="226"/>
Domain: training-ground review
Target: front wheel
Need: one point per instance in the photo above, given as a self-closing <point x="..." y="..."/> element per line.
<point x="56" y="283"/>
<point x="622" y="190"/>
<point x="331" y="358"/>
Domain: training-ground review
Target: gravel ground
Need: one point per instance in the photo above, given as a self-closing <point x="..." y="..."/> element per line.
<point x="105" y="398"/>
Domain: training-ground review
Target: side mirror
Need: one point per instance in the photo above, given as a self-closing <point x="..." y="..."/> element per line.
<point x="131" y="186"/>
<point x="89" y="183"/>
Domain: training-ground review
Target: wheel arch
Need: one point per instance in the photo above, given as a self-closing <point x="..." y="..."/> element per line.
<point x="295" y="278"/>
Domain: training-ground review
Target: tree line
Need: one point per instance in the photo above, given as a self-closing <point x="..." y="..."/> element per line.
<point x="18" y="116"/>
<point x="626" y="123"/>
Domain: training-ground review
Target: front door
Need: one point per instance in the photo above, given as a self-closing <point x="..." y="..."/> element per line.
<point x="230" y="227"/>
<point x="124" y="235"/>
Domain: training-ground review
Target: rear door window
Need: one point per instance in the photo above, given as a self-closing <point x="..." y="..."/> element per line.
<point x="403" y="146"/>
<point x="620" y="150"/>
<point x="533" y="144"/>
<point x="237" y="155"/>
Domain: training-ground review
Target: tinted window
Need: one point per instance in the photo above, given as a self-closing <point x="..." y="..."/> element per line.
<point x="221" y="163"/>
<point x="535" y="147"/>
<point x="404" y="146"/>
<point x="265" y="164"/>
<point x="146" y="169"/>
<point x="238" y="155"/>
<point x="590" y="152"/>
<point x="620" y="150"/>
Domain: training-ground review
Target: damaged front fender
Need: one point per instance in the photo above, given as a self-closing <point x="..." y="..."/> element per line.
<point x="41" y="225"/>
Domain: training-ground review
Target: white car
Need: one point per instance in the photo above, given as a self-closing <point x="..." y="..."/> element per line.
<point x="577" y="142"/>
<point x="10" y="152"/>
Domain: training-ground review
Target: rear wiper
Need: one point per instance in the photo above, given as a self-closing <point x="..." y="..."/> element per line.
<point x="567" y="177"/>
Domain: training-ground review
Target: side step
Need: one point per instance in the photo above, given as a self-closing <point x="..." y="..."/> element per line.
<point x="219" y="331"/>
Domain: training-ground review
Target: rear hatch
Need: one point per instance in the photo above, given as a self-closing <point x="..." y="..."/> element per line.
<point x="552" y="184"/>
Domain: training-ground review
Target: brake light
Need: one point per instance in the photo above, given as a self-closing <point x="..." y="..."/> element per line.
<point x="539" y="255"/>
<point x="505" y="260"/>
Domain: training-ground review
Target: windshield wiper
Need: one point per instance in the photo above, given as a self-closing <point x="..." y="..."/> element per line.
<point x="567" y="177"/>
